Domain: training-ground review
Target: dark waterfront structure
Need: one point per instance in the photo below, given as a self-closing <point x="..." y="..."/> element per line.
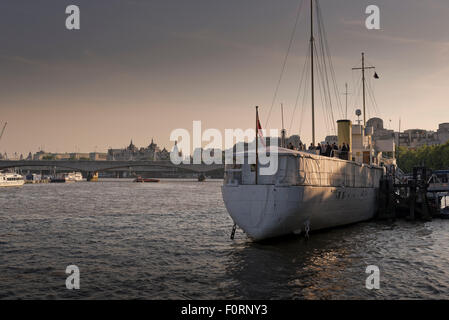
<point x="119" y="169"/>
<point x="418" y="196"/>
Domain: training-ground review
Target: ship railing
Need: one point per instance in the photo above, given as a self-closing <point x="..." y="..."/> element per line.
<point x="344" y="155"/>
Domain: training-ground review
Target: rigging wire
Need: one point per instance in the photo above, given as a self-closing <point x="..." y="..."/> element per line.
<point x="373" y="98"/>
<point x="304" y="97"/>
<point x="302" y="77"/>
<point x="358" y="87"/>
<point x="326" y="50"/>
<point x="324" y="93"/>
<point x="372" y="108"/>
<point x="292" y="36"/>
<point x="326" y="78"/>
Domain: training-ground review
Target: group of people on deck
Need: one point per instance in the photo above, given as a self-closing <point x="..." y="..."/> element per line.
<point x="326" y="150"/>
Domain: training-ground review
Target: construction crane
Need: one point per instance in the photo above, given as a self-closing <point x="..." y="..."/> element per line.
<point x="3" y="130"/>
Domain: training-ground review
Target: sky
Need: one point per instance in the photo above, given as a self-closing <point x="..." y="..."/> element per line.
<point x="140" y="69"/>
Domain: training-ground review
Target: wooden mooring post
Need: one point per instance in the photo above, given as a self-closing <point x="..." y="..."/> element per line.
<point x="406" y="200"/>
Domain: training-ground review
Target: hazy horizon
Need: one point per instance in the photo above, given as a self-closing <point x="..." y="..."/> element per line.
<point x="140" y="69"/>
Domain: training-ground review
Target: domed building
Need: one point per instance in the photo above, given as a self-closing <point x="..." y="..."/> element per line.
<point x="376" y="123"/>
<point x="152" y="152"/>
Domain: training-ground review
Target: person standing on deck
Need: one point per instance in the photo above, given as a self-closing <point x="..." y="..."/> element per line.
<point x="328" y="150"/>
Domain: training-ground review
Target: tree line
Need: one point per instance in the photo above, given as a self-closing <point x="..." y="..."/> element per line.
<point x="433" y="157"/>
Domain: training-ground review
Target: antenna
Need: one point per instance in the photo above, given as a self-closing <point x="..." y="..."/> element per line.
<point x="363" y="68"/>
<point x="358" y="113"/>
<point x="346" y="93"/>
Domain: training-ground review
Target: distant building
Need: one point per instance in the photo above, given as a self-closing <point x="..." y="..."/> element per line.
<point x="412" y="138"/>
<point x="378" y="128"/>
<point x="73" y="156"/>
<point x="42" y="155"/>
<point x="152" y="152"/>
<point x="443" y="133"/>
<point x="97" y="156"/>
<point x="164" y="154"/>
<point x="331" y="140"/>
<point x="295" y="140"/>
<point x="415" y="138"/>
<point x="384" y="139"/>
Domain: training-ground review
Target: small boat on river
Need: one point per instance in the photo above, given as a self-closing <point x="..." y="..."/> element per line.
<point x="140" y="179"/>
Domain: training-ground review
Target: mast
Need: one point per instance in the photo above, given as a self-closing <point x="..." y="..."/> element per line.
<point x="257" y="144"/>
<point x="312" y="71"/>
<point x="363" y="81"/>
<point x="346" y="94"/>
<point x="363" y="68"/>
<point x="283" y="132"/>
<point x="282" y="115"/>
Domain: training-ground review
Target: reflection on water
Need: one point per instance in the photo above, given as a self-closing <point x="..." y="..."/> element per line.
<point x="171" y="241"/>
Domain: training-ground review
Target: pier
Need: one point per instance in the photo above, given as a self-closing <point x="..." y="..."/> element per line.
<point x="418" y="196"/>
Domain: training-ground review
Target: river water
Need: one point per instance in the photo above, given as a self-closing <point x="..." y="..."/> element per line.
<point x="170" y="240"/>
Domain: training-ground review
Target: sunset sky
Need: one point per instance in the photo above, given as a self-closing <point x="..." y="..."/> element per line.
<point x="139" y="69"/>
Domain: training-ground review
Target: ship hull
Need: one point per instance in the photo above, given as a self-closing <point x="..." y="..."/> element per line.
<point x="12" y="183"/>
<point x="268" y="211"/>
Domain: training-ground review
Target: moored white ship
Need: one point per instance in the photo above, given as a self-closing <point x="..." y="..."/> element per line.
<point x="308" y="191"/>
<point x="11" y="180"/>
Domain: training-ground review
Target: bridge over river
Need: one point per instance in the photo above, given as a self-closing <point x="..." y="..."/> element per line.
<point x="161" y="168"/>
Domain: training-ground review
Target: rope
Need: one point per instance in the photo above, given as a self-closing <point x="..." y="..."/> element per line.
<point x="302" y="77"/>
<point x="285" y="60"/>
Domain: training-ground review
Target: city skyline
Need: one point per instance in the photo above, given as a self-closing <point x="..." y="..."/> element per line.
<point x="140" y="69"/>
<point x="419" y="138"/>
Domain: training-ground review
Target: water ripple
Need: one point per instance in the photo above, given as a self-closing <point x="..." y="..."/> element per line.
<point x="171" y="241"/>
